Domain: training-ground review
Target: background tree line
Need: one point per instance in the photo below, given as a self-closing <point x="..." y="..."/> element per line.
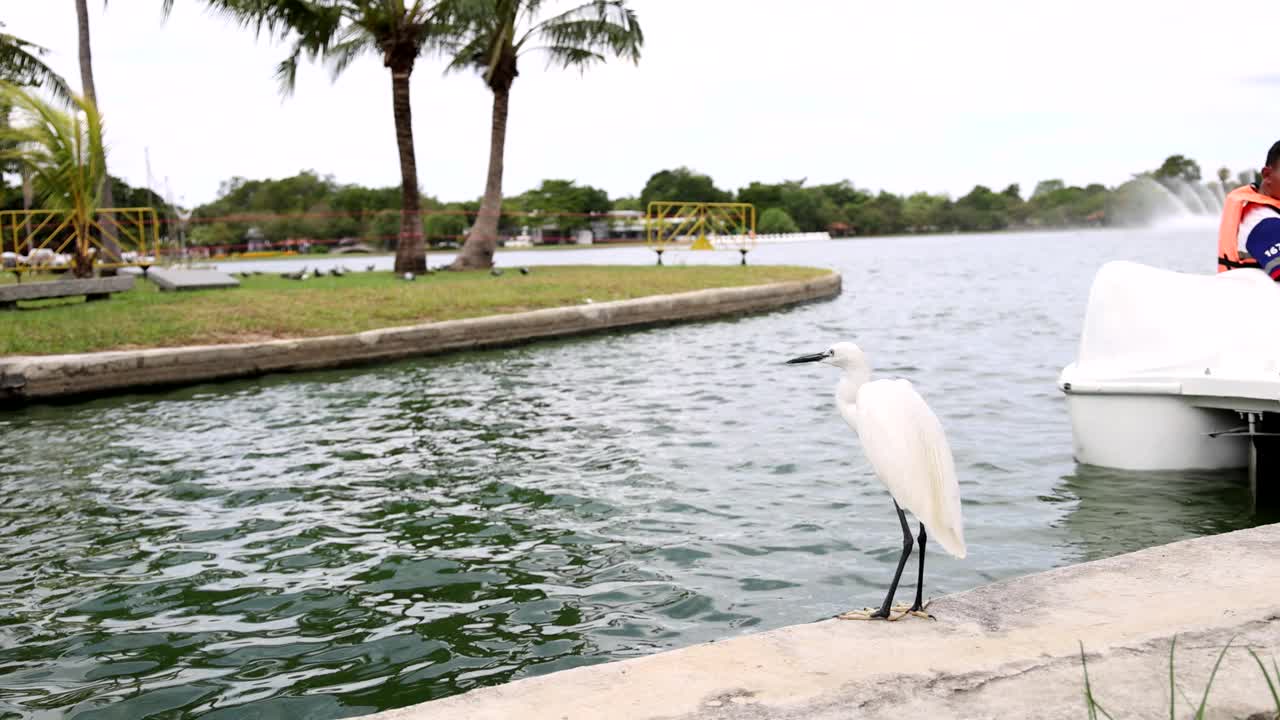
<point x="309" y="206"/>
<point x="843" y="209"/>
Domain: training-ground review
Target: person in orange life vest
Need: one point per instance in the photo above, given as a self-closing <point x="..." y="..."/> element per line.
<point x="1249" y="235"/>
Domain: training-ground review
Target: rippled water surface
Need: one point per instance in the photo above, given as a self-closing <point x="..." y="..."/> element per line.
<point x="334" y="543"/>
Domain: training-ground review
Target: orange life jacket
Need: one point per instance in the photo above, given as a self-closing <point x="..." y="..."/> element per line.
<point x="1228" y="231"/>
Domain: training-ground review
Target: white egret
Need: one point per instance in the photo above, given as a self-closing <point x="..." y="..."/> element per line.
<point x="909" y="452"/>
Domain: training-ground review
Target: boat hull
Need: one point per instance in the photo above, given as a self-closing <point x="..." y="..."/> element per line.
<point x="1153" y="432"/>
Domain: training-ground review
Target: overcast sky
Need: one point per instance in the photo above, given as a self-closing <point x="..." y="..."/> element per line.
<point x="935" y="96"/>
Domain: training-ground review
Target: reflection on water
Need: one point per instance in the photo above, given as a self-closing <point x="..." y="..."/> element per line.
<point x="1119" y="511"/>
<point x="329" y="544"/>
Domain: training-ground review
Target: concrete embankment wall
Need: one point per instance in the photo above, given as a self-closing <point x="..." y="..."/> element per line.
<point x="49" y="376"/>
<point x="1006" y="650"/>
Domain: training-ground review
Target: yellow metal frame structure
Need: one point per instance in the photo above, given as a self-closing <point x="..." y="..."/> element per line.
<point x="673" y="222"/>
<point x="23" y="232"/>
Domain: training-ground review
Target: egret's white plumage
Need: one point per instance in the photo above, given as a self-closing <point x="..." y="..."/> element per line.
<point x="906" y="445"/>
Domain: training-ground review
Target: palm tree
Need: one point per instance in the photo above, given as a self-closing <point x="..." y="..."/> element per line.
<point x="91" y="94"/>
<point x="20" y="64"/>
<point x="65" y="156"/>
<point x="338" y="31"/>
<point x="498" y="33"/>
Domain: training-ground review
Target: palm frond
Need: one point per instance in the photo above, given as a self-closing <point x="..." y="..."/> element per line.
<point x="287" y="71"/>
<point x="472" y="53"/>
<point x="353" y="42"/>
<point x="337" y="32"/>
<point x="20" y="64"/>
<point x="62" y="150"/>
<point x="588" y="33"/>
<point x="568" y="56"/>
<point x="315" y="24"/>
<point x="482" y="31"/>
<point x="530" y="12"/>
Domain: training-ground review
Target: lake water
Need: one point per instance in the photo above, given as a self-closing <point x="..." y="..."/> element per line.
<point x="335" y="543"/>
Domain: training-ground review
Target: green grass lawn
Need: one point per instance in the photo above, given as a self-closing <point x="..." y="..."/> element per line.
<point x="268" y="306"/>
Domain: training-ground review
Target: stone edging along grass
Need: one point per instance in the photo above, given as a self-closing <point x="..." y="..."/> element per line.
<point x="51" y="376"/>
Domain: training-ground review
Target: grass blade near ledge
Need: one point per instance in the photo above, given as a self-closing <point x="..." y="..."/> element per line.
<point x="1090" y="704"/>
<point x="1275" y="697"/>
<point x="1205" y="698"/>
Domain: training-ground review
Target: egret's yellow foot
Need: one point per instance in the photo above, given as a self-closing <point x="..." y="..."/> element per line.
<point x="906" y="610"/>
<point x="863" y="614"/>
<point x="870" y="613"/>
<point x="896" y="612"/>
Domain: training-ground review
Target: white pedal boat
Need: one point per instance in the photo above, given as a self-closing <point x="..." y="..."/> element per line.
<point x="1175" y="371"/>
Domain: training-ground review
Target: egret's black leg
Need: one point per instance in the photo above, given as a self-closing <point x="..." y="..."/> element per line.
<point x="883" y="612"/>
<point x="919" y="604"/>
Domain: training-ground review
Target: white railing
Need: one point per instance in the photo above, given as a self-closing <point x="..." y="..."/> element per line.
<point x="793" y="237"/>
<point x="737" y="241"/>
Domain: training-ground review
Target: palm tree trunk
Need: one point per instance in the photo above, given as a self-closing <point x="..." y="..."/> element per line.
<point x="86" y="54"/>
<point x="477" y="252"/>
<point x="411" y="254"/>
<point x="111" y="248"/>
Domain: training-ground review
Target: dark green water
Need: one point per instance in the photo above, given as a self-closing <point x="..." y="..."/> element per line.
<point x="332" y="544"/>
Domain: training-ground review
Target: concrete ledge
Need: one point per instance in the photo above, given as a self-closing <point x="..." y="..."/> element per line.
<point x="50" y="376"/>
<point x="1006" y="650"/>
<point x="64" y="288"/>
<point x="182" y="279"/>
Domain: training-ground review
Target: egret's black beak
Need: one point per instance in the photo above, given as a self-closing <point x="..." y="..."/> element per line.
<point x="816" y="357"/>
